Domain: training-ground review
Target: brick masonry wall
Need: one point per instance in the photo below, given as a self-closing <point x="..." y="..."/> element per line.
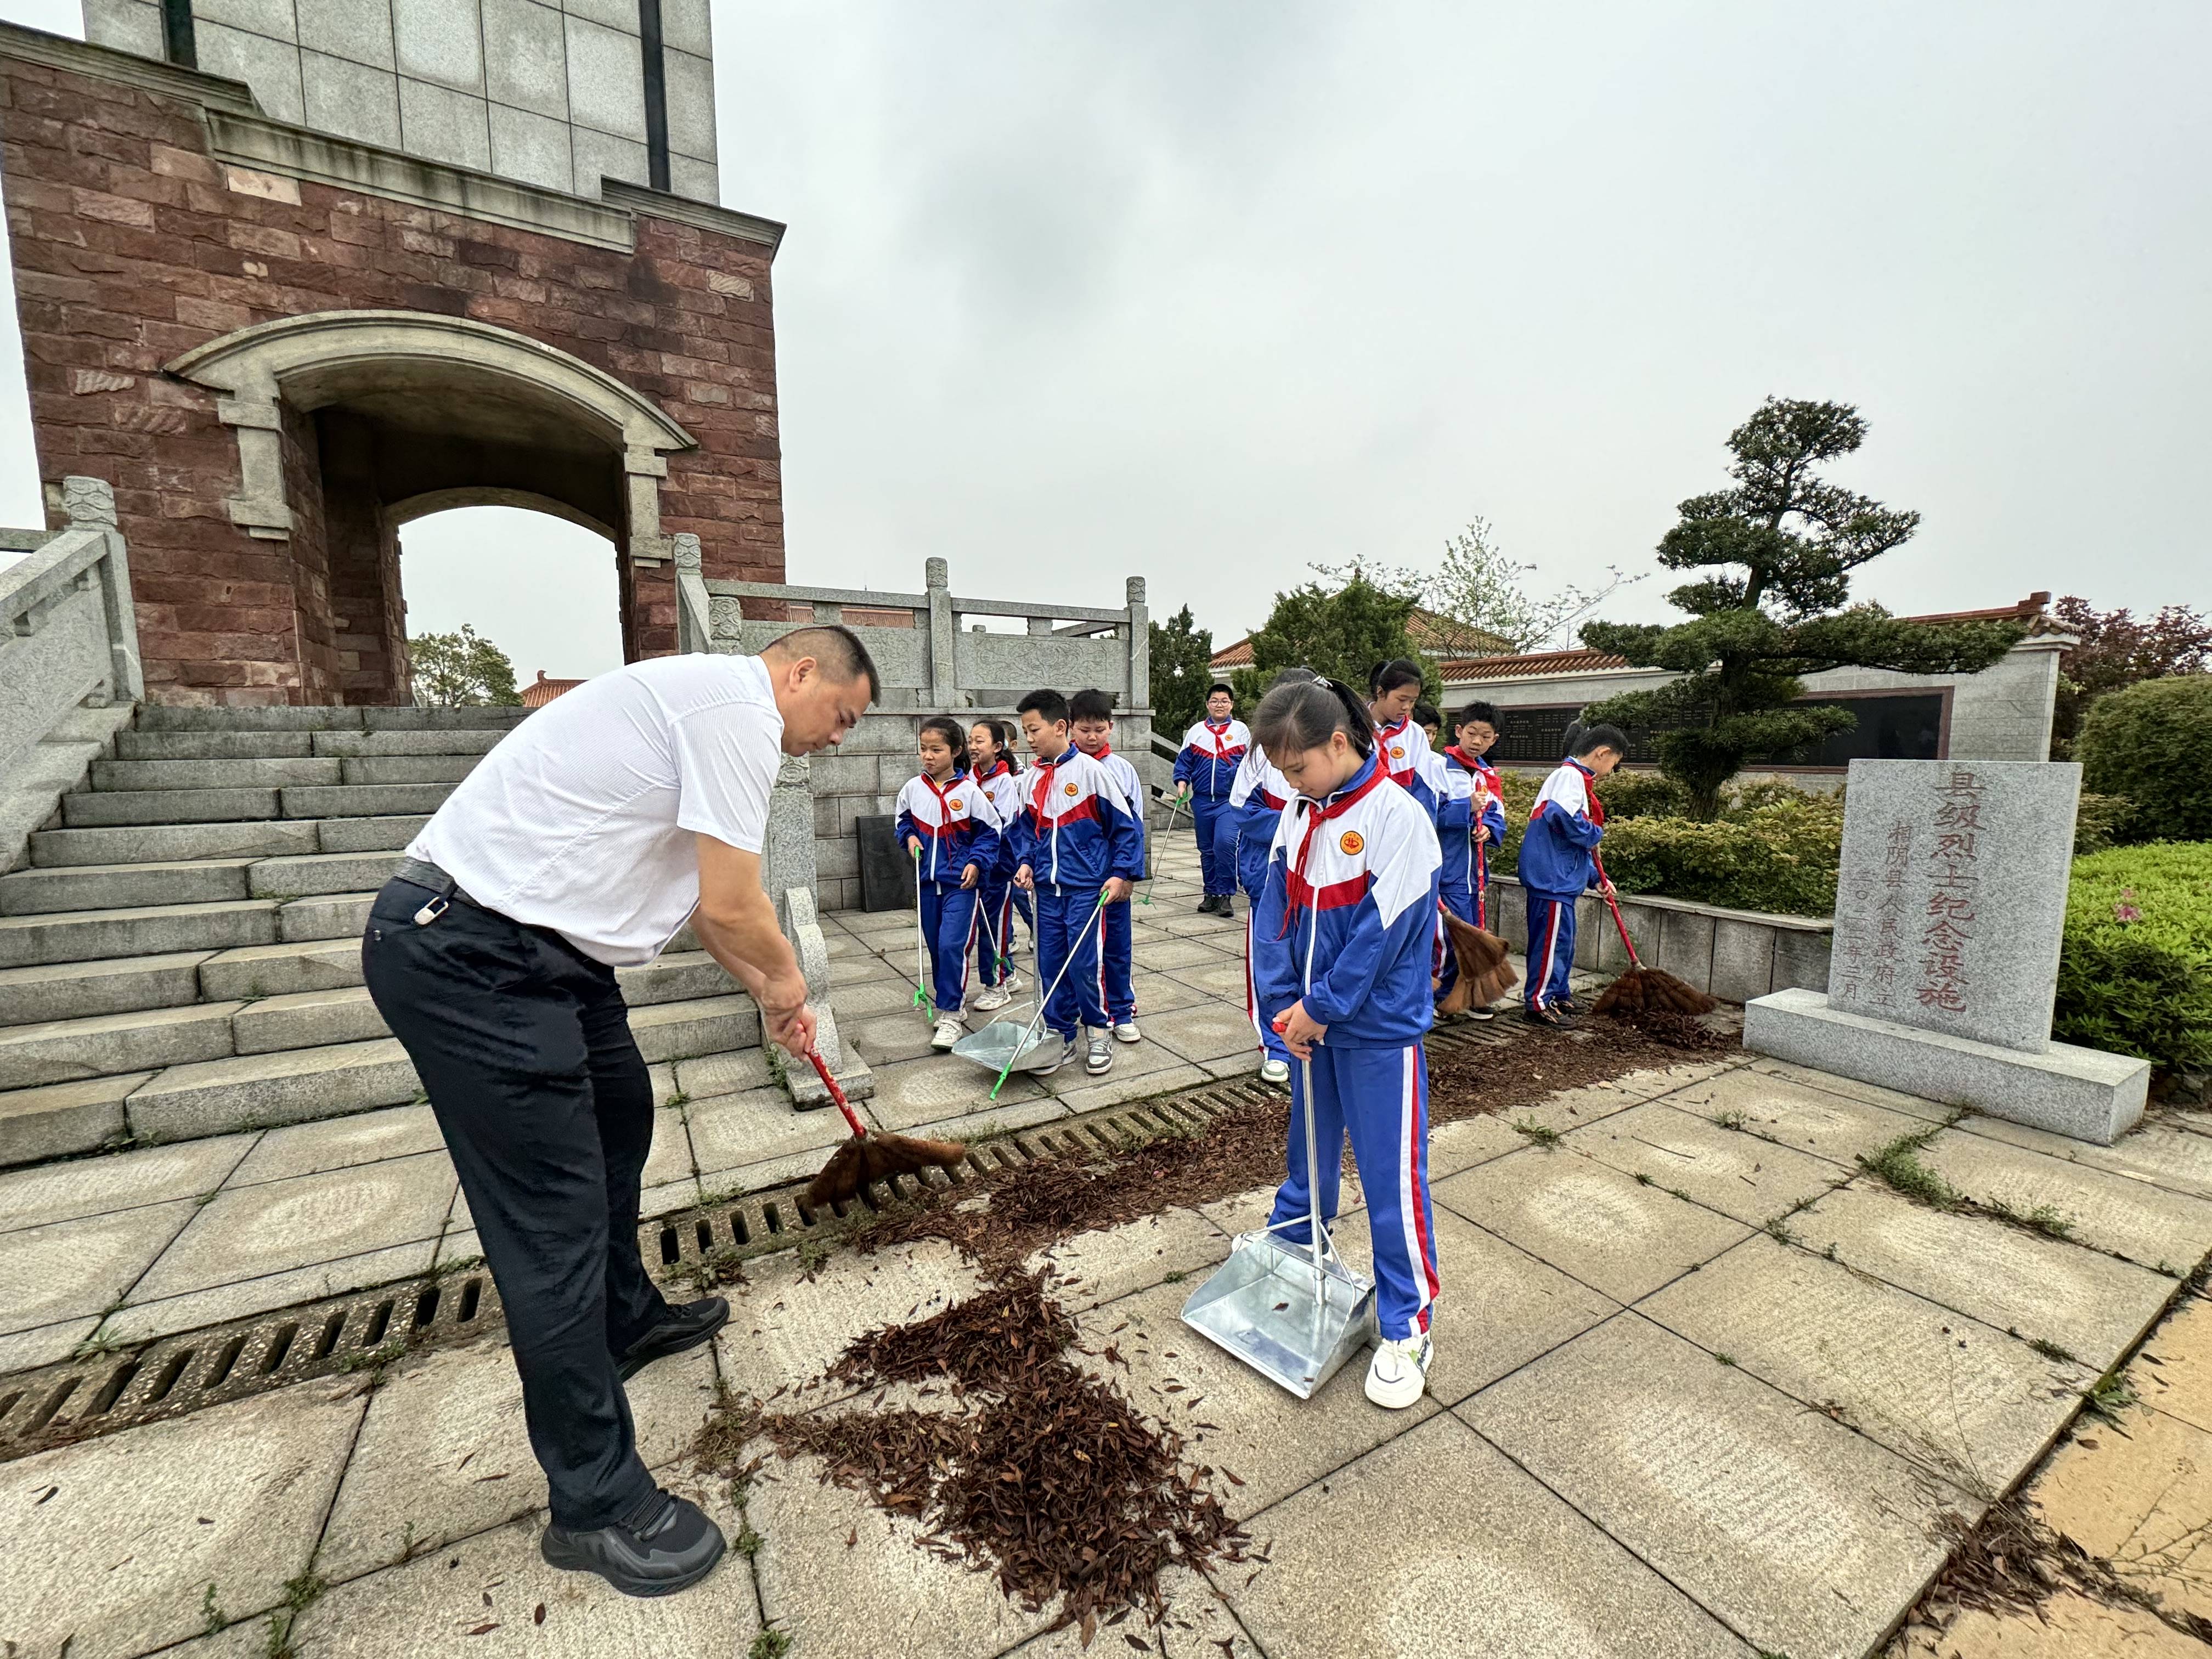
<point x="131" y="246"/>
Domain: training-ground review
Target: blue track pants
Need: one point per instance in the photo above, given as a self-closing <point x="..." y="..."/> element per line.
<point x="995" y="950"/>
<point x="1119" y="963"/>
<point x="949" y="914"/>
<point x="1208" y="814"/>
<point x="1067" y="937"/>
<point x="1551" y="947"/>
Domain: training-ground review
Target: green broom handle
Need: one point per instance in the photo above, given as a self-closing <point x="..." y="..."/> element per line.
<point x="1173" y="808"/>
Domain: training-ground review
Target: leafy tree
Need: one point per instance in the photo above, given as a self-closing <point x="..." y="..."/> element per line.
<point x="1183" y="667"/>
<point x="2117" y="651"/>
<point x="461" y="670"/>
<point x="1780" y="547"/>
<point x="1478" y="585"/>
<point x="1342" y="633"/>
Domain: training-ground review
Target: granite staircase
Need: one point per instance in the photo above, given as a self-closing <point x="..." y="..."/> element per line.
<point x="181" y="956"/>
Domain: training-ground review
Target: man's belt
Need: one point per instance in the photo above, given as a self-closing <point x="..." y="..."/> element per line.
<point x="424" y="873"/>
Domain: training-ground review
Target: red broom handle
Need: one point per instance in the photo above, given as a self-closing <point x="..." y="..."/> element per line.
<point x="1613" y="904"/>
<point x="836" y="1094"/>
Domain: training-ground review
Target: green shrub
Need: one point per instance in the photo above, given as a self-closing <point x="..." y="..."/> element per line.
<point x="2136" y="975"/>
<point x="1641" y="795"/>
<point x="2101" y="821"/>
<point x="2153" y="744"/>
<point x="1782" y="857"/>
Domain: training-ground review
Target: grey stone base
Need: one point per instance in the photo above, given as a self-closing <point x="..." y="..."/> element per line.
<point x="2083" y="1093"/>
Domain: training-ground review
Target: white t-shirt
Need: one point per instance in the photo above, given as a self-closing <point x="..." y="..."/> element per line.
<point x="583" y="818"/>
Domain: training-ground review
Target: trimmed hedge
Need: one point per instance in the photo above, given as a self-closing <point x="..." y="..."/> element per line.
<point x="2136" y="975"/>
<point x="2153" y="744"/>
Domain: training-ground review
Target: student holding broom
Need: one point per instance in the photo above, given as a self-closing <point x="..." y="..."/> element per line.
<point x="990" y="762"/>
<point x="946" y="822"/>
<point x="1558" y="860"/>
<point x="1470" y="822"/>
<point x="1341" y="941"/>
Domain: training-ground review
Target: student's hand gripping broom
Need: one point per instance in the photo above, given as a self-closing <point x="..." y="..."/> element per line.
<point x="1641" y="988"/>
<point x="1029" y="1033"/>
<point x="870" y="1156"/>
<point x="1174" y="807"/>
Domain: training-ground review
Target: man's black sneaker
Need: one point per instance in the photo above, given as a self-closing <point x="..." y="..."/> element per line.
<point x="1550" y="1016"/>
<point x="665" y="1545"/>
<point x="686" y="1327"/>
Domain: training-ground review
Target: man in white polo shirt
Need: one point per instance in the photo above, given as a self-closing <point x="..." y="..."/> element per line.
<point x="581" y="844"/>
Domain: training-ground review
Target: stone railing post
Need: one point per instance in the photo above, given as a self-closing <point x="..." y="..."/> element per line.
<point x="1140" y="645"/>
<point x="695" y="625"/>
<point x="943" y="690"/>
<point x="89" y="504"/>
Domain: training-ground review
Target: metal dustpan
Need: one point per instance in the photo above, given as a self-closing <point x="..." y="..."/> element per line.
<point x="1009" y="1045"/>
<point x="1285" y="1305"/>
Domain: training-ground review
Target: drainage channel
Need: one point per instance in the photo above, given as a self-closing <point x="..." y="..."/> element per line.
<point x="99" y="1394"/>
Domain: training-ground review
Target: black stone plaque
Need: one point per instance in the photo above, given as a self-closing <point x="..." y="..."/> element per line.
<point x="886" y="871"/>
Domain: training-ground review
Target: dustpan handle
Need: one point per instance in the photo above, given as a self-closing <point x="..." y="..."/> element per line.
<point x="1029" y="1031"/>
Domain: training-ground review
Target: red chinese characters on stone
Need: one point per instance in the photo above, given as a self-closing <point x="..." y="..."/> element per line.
<point x="1947" y="922"/>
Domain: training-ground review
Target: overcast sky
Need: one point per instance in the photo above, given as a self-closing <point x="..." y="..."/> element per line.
<point x="1205" y="292"/>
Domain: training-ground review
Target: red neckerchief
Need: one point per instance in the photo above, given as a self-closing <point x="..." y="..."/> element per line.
<point x="1589" y="791"/>
<point x="1044" y="769"/>
<point x="944" y="813"/>
<point x="1318" y="813"/>
<point x="1104" y="750"/>
<point x="999" y="768"/>
<point x="1219" y="732"/>
<point x="1381" y="755"/>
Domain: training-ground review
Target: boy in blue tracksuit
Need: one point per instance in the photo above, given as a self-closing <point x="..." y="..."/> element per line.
<point x="1204" y="772"/>
<point x="947" y="824"/>
<point x="1091" y="726"/>
<point x="1343" y="933"/>
<point x="1077" y="845"/>
<point x="1558" y="860"/>
<point x="1470" y="823"/>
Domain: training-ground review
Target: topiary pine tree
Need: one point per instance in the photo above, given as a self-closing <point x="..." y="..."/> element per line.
<point x="1183" y="667"/>
<point x="1342" y="633"/>
<point x="1782" y="545"/>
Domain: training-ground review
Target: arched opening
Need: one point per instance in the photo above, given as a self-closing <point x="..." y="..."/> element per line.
<point x="542" y="586"/>
<point x="352" y="425"/>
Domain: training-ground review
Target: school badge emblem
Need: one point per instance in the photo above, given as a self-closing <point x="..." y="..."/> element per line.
<point x="1397" y="751"/>
<point x="954" y="802"/>
<point x="1350" y="843"/>
<point x="1070" y="789"/>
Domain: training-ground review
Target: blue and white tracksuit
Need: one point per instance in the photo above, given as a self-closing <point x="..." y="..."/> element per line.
<point x="1212" y="753"/>
<point x="1118" y="951"/>
<point x="1257" y="801"/>
<point x="1463" y="885"/>
<point x="1404" y="752"/>
<point x="1344" y="924"/>
<point x="1074" y="832"/>
<point x="1558" y="861"/>
<point x="1001" y="900"/>
<point x="953" y="823"/>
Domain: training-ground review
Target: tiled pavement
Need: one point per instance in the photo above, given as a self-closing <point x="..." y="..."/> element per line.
<point x="1701" y="1388"/>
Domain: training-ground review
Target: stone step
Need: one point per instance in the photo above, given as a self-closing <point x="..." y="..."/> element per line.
<point x="65" y="1118"/>
<point x="171" y="843"/>
<point x="218" y="745"/>
<point x="164" y="717"/>
<point x="306" y="1020"/>
<point x="95" y="808"/>
<point x="122" y="886"/>
<point x="143" y="931"/>
<point x="361" y="800"/>
<point x="353" y="745"/>
<point x="705" y="1025"/>
<point x="410" y="768"/>
<point x="293" y="1086"/>
<point x="318" y="873"/>
<point x="442" y="719"/>
<point x="81" y="990"/>
<point x="72" y="1050"/>
<point x="325" y="915"/>
<point x="132" y="775"/>
<point x="383" y="832"/>
<point x="254" y="971"/>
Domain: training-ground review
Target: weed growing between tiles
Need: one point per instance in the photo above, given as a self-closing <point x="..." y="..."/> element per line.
<point x="1032" y="1470"/>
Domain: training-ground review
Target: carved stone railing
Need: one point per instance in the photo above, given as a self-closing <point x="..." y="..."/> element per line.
<point x="67" y="632"/>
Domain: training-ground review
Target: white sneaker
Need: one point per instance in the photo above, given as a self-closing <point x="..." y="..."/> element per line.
<point x="1126" y="1031"/>
<point x="1399" y="1372"/>
<point x="1067" y="1048"/>
<point x="1277" y="1071"/>
<point x="997" y="997"/>
<point x="1014" y="985"/>
<point x="1100" y="1060"/>
<point x="949" y="1031"/>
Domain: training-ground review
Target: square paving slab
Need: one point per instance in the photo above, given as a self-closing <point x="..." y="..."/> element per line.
<point x="107" y="1547"/>
<point x="443" y="1453"/>
<point x="1570" y="1109"/>
<point x="1209" y="1030"/>
<point x="67" y="1269"/>
<point x="248" y="1232"/>
<point x="1175" y="955"/>
<point x="1735" y="1173"/>
<point x="1224" y="978"/>
<point x="1157" y="994"/>
<point x="2139" y="1496"/>
<point x="919" y="1091"/>
<point x="1176" y="1245"/>
<point x="480" y="1598"/>
<point x="1197" y="1622"/>
<point x="2116" y="1213"/>
<point x="1791" y="1114"/>
<point x="731" y="1131"/>
<point x="725" y="1074"/>
<point x="1808" y="1539"/>
<point x="1873" y="1093"/>
<point x="888" y="1038"/>
<point x="880" y="1594"/>
<point x="1466" y="1555"/>
<point x="2165" y="1154"/>
<point x="339" y="1142"/>
<point x="2173" y="1372"/>
<point x="143" y="1317"/>
<point x="1129" y="1082"/>
<point x="1461" y="1146"/>
<point x="44" y="1344"/>
<point x="1589" y="1220"/>
<point x="1272" y="1443"/>
<point x="1972" y="1405"/>
<point x="117" y="1181"/>
<point x="2088" y="1304"/>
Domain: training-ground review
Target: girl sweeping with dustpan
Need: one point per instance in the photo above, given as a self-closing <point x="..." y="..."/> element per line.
<point x="1340" y="957"/>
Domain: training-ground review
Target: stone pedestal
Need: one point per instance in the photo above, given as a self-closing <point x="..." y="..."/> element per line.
<point x="803" y="928"/>
<point x="1945" y="965"/>
<point x="2083" y="1093"/>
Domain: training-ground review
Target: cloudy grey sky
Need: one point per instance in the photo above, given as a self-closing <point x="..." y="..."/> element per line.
<point x="1205" y="292"/>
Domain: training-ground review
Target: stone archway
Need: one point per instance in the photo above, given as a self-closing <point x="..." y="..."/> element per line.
<point x="350" y="423"/>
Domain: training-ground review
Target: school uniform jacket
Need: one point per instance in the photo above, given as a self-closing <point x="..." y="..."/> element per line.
<point x="1465" y="777"/>
<point x="1404" y="752"/>
<point x="1564" y="830"/>
<point x="954" y="823"/>
<point x="1124" y="773"/>
<point x="1002" y="789"/>
<point x="1075" y="828"/>
<point x="1261" y="793"/>
<point x="1212" y="753"/>
<point x="1348" y="919"/>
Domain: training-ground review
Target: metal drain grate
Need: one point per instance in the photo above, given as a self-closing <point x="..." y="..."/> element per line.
<point x="80" y="1399"/>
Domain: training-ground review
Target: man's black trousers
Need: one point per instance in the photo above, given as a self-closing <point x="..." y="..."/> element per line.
<point x="524" y="1046"/>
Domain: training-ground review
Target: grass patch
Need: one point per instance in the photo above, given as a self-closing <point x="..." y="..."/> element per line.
<point x="1728" y="1120"/>
<point x="770" y="1644"/>
<point x="1778" y="1230"/>
<point x="747" y="1543"/>
<point x="1644" y="1180"/>
<point x="2045" y="1218"/>
<point x="1542" y="1133"/>
<point x="679" y="1099"/>
<point x="211" y="1614"/>
<point x="1727" y="1360"/>
<point x="2113" y="1396"/>
<point x="1898" y="1166"/>
<point x="2050" y="1350"/>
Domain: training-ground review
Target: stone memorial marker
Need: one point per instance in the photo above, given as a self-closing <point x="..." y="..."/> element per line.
<point x="1945" y="966"/>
